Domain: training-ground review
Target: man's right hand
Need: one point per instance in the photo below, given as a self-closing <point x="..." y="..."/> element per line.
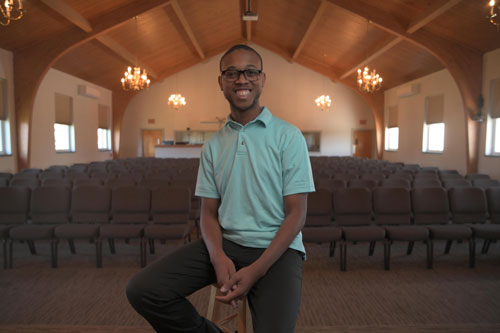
<point x="224" y="268"/>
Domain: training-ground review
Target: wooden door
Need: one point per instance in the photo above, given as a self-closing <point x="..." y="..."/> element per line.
<point x="150" y="138"/>
<point x="362" y="140"/>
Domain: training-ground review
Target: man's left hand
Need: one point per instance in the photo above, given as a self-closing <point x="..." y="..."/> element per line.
<point x="239" y="285"/>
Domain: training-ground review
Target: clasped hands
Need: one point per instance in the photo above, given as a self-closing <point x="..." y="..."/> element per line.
<point x="234" y="285"/>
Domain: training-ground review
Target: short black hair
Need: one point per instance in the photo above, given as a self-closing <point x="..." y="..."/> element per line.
<point x="241" y="47"/>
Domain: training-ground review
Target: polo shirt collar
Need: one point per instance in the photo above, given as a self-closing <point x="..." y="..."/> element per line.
<point x="264" y="118"/>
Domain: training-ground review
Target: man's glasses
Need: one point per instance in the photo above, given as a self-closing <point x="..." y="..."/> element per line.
<point x="234" y="74"/>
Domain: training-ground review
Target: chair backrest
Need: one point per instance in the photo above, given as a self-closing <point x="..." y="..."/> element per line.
<point x="493" y="196"/>
<point x="396" y="182"/>
<point x="7" y="175"/>
<point x="87" y="181"/>
<point x="90" y="204"/>
<point x="430" y="205"/>
<point x="57" y="182"/>
<point x="31" y="183"/>
<point x="400" y="175"/>
<point x="50" y="205"/>
<point x="331" y="184"/>
<point x="14" y="205"/>
<point x="426" y="182"/>
<point x="119" y="182"/>
<point x="153" y="183"/>
<point x="373" y="176"/>
<point x="485" y="183"/>
<point x="31" y="171"/>
<point x="447" y="176"/>
<point x="4" y="182"/>
<point x="170" y="205"/>
<point x="368" y="183"/>
<point x="345" y="176"/>
<point x="51" y="175"/>
<point x="130" y="204"/>
<point x="319" y="208"/>
<point x="468" y="205"/>
<point x="352" y="206"/>
<point x="451" y="183"/>
<point x="25" y="176"/>
<point x="391" y="205"/>
<point x="472" y="176"/>
<point x="426" y="175"/>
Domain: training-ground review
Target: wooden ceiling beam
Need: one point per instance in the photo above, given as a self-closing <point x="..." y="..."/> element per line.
<point x="381" y="50"/>
<point x="248" y="24"/>
<point x="187" y="28"/>
<point x="69" y="13"/>
<point x="434" y="11"/>
<point x="77" y="19"/>
<point x="310" y="28"/>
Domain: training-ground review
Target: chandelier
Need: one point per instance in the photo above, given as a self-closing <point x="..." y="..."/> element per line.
<point x="176" y="101"/>
<point x="11" y="12"/>
<point x="134" y="80"/>
<point x="493" y="17"/>
<point x="369" y="82"/>
<point x="323" y="102"/>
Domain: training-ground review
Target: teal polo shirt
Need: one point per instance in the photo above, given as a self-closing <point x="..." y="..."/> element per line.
<point x="250" y="169"/>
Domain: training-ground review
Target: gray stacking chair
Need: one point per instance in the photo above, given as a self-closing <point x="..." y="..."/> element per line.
<point x="14" y="208"/>
<point x="4" y="182"/>
<point x="129" y="215"/>
<point x="452" y="183"/>
<point x="485" y="183"/>
<point x="352" y="210"/>
<point x="319" y="227"/>
<point x="396" y="182"/>
<point x="170" y="209"/>
<point x="57" y="182"/>
<point x="33" y="171"/>
<point x="430" y="206"/>
<point x="90" y="206"/>
<point x="87" y="181"/>
<point x="392" y="209"/>
<point x="119" y="182"/>
<point x="472" y="176"/>
<point x="490" y="232"/>
<point x="368" y="183"/>
<point x="331" y="184"/>
<point x="463" y="211"/>
<point x="31" y="182"/>
<point x="49" y="208"/>
<point x="426" y="182"/>
<point x="373" y="176"/>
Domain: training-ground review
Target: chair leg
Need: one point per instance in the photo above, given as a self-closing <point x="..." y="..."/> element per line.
<point x="71" y="244"/>
<point x="53" y="251"/>
<point x="98" y="252"/>
<point x="151" y="242"/>
<point x="343" y="256"/>
<point x="371" y="249"/>
<point x="111" y="243"/>
<point x="31" y="245"/>
<point x="486" y="245"/>
<point x="127" y="241"/>
<point x="428" y="244"/>
<point x="448" y="246"/>
<point x="472" y="252"/>
<point x="143" y="252"/>
<point x="387" y="255"/>
<point x="11" y="248"/>
<point x="410" y="247"/>
<point x="5" y="254"/>
<point x="332" y="248"/>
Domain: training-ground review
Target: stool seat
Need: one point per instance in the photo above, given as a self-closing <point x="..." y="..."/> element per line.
<point x="214" y="309"/>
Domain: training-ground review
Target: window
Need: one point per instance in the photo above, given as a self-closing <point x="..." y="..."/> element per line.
<point x="64" y="131"/>
<point x="392" y="138"/>
<point x="392" y="130"/>
<point x="433" y="138"/>
<point x="312" y="141"/>
<point x="103" y="139"/>
<point x="103" y="130"/>
<point x="493" y="123"/>
<point x="4" y="122"/>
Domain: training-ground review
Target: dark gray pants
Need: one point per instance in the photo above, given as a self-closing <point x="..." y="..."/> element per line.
<point x="159" y="291"/>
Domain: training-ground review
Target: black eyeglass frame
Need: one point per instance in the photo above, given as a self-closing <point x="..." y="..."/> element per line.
<point x="244" y="72"/>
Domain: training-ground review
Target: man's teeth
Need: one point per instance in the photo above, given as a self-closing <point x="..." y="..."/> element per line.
<point x="242" y="92"/>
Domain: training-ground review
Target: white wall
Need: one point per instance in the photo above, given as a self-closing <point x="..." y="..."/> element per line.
<point x="289" y="94"/>
<point x="43" y="153"/>
<point x="491" y="70"/>
<point x="411" y="122"/>
<point x="8" y="163"/>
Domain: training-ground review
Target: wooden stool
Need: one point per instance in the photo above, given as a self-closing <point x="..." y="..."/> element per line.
<point x="241" y="316"/>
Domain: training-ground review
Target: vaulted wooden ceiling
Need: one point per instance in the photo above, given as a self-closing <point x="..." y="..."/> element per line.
<point x="403" y="39"/>
<point x="328" y="36"/>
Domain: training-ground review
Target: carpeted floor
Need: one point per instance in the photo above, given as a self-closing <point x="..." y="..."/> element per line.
<point x="77" y="297"/>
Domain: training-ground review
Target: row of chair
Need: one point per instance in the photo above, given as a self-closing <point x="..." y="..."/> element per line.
<point x="395" y="214"/>
<point x="94" y="213"/>
<point x="404" y="183"/>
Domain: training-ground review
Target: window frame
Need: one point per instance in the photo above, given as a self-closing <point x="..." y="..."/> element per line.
<point x="388" y="131"/>
<point x="492" y="136"/>
<point x="107" y="132"/>
<point x="71" y="139"/>
<point x="426" y="139"/>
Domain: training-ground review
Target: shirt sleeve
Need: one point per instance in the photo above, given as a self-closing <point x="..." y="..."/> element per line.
<point x="297" y="173"/>
<point x="205" y="182"/>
